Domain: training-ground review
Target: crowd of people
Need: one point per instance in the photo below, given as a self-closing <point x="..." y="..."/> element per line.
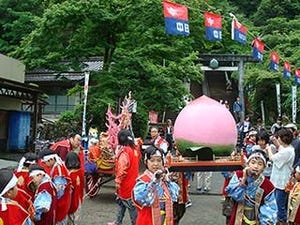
<point x="48" y="189"/>
<point x="266" y="191"/>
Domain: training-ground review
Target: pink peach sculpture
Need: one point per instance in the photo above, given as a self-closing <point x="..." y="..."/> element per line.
<point x="205" y="122"/>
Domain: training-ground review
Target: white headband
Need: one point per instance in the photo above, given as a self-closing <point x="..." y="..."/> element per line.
<point x="298" y="169"/>
<point x="259" y="155"/>
<point x="13" y="182"/>
<point x="36" y="172"/>
<point x="53" y="156"/>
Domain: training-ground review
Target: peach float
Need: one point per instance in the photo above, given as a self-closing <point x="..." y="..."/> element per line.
<point x="204" y="122"/>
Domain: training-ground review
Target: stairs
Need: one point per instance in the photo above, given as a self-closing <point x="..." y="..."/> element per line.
<point x="217" y="86"/>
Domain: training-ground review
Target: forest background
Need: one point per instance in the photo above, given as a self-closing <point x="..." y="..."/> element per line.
<point x="140" y="57"/>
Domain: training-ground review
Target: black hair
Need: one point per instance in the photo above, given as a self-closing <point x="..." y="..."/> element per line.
<point x="125" y="138"/>
<point x="5" y="176"/>
<point x="150" y="151"/>
<point x="285" y="135"/>
<point x="46" y="151"/>
<point x="30" y="156"/>
<point x="72" y="161"/>
<point x="36" y="167"/>
<point x="263" y="135"/>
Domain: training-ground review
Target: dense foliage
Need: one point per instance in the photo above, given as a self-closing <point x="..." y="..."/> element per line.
<point x="139" y="56"/>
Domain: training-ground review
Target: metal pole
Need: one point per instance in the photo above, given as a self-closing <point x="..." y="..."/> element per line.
<point x="241" y="88"/>
<point x="262" y="111"/>
<point x="86" y="88"/>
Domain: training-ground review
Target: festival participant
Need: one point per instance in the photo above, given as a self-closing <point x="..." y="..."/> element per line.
<point x="77" y="180"/>
<point x="253" y="194"/>
<point x="179" y="207"/>
<point x="294" y="200"/>
<point x="157" y="140"/>
<point x="11" y="213"/>
<point x="154" y="193"/>
<point x="60" y="177"/>
<point x="45" y="201"/>
<point x="22" y="173"/>
<point x="72" y="143"/>
<point x="127" y="171"/>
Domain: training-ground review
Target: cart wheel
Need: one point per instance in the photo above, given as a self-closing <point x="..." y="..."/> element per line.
<point x="92" y="186"/>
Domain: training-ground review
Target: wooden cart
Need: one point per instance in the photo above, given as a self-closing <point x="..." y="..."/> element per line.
<point x="225" y="163"/>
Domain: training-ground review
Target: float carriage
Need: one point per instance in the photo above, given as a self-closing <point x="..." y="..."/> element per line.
<point x="104" y="170"/>
<point x="194" y="126"/>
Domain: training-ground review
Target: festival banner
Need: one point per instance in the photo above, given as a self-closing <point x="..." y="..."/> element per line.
<point x="294" y="103"/>
<point x="274" y="61"/>
<point x="213" y="26"/>
<point x="176" y="18"/>
<point x="286" y="70"/>
<point x="238" y="32"/>
<point x="278" y="99"/>
<point x="258" y="49"/>
<point x="297" y="76"/>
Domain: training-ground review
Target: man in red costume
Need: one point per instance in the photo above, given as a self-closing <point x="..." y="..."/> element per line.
<point x="11" y="213"/>
<point x="70" y="144"/>
<point x="60" y="177"/>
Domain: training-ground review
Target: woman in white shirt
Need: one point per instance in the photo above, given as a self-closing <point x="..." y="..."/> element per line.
<point x="282" y="168"/>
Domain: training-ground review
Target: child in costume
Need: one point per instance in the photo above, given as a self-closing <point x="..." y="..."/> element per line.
<point x="77" y="180"/>
<point x="154" y="192"/>
<point x="253" y="194"/>
<point x="294" y="200"/>
<point x="22" y="173"/>
<point x="61" y="179"/>
<point x="11" y="213"/>
<point x="45" y="201"/>
<point x="127" y="170"/>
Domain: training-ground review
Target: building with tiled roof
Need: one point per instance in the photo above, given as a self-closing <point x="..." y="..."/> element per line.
<point x="55" y="85"/>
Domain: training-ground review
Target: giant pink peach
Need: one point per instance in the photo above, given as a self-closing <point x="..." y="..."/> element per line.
<point x="205" y="122"/>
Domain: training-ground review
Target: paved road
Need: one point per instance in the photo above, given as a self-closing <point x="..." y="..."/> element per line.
<point x="206" y="209"/>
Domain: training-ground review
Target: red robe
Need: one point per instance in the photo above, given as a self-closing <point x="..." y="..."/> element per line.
<point x="77" y="180"/>
<point x="267" y="187"/>
<point x="62" y="148"/>
<point x="25" y="182"/>
<point x="63" y="204"/>
<point x="127" y="170"/>
<point x="48" y="218"/>
<point x="14" y="215"/>
<point x="25" y="201"/>
<point x="151" y="215"/>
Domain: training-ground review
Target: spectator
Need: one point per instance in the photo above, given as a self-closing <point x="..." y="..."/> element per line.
<point x="295" y="143"/>
<point x="169" y="135"/>
<point x="237" y="110"/>
<point x="282" y="167"/>
<point x="276" y="126"/>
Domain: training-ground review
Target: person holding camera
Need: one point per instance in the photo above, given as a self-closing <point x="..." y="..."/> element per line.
<point x="154" y="192"/>
<point x="282" y="168"/>
<point x="253" y="194"/>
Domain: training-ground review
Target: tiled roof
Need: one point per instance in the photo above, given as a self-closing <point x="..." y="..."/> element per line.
<point x="44" y="75"/>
